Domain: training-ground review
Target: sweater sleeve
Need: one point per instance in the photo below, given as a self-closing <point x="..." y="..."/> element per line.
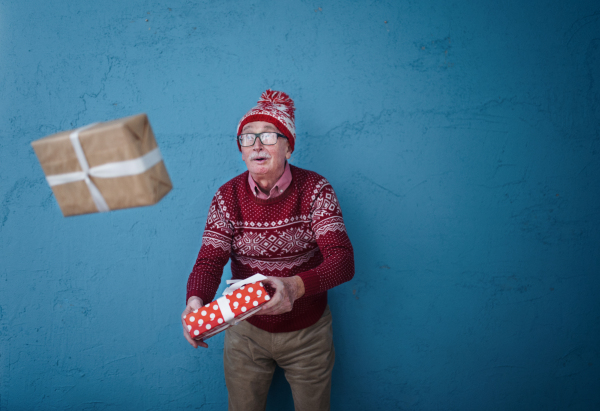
<point x="332" y="239"/>
<point x="214" y="253"/>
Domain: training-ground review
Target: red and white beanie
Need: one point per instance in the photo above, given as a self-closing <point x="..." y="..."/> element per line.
<point x="274" y="107"/>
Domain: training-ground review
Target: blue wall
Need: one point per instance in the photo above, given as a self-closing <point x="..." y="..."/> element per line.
<point x="462" y="139"/>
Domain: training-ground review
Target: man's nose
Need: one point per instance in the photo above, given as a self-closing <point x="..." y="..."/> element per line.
<point x="258" y="145"/>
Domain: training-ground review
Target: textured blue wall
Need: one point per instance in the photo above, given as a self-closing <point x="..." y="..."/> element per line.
<point x="462" y="139"/>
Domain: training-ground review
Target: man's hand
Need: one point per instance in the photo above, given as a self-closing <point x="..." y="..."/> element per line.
<point x="193" y="303"/>
<point x="287" y="290"/>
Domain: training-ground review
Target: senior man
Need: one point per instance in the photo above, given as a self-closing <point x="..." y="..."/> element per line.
<point x="285" y="223"/>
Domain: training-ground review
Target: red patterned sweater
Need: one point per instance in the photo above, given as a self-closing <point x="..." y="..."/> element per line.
<point x="300" y="232"/>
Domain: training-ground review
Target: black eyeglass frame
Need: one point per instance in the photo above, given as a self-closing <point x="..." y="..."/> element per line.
<point x="259" y="135"/>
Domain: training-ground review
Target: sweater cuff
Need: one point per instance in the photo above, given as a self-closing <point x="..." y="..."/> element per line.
<point x="312" y="283"/>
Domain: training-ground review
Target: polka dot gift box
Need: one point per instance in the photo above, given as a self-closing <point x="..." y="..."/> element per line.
<point x="240" y="301"/>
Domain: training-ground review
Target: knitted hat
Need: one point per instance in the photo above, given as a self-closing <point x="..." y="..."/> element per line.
<point x="274" y="107"/>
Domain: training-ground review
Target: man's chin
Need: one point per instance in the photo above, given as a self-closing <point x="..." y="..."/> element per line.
<point x="260" y="169"/>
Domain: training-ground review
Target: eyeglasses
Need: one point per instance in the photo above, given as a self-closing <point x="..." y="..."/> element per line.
<point x="268" y="139"/>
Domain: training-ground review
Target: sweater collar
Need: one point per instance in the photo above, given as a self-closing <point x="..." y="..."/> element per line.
<point x="280" y="186"/>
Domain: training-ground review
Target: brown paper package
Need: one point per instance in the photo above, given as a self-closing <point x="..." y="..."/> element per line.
<point x="118" y="140"/>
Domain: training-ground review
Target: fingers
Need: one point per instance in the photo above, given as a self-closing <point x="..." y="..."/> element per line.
<point x="281" y="302"/>
<point x="183" y="314"/>
<point x="189" y="339"/>
<point x="274" y="282"/>
<point x="271" y="307"/>
<point x="283" y="307"/>
<point x="186" y="333"/>
<point x="194" y="303"/>
<point x="193" y="343"/>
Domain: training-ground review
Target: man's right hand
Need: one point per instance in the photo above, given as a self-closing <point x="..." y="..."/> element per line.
<point x="193" y="303"/>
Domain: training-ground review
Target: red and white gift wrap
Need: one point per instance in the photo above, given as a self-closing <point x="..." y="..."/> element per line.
<point x="239" y="301"/>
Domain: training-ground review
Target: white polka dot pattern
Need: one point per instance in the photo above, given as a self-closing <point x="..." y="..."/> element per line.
<point x="300" y="232"/>
<point x="245" y="300"/>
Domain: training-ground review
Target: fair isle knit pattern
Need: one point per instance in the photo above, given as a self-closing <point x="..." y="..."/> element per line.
<point x="274" y="107"/>
<point x="301" y="232"/>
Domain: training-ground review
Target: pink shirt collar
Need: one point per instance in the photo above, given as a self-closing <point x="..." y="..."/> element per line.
<point x="280" y="186"/>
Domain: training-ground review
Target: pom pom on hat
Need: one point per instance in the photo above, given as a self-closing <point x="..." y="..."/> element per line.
<point x="274" y="107"/>
<point x="277" y="100"/>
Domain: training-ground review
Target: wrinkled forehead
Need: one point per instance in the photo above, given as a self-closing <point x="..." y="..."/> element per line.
<point x="259" y="127"/>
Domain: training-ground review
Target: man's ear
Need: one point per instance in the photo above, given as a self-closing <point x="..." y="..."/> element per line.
<point x="288" y="152"/>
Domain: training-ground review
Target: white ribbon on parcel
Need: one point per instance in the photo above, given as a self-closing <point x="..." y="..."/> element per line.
<point x="223" y="302"/>
<point x="239" y="283"/>
<point x="108" y="170"/>
<point x="228" y="315"/>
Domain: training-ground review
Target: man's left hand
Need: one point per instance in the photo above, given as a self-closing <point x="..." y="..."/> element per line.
<point x="287" y="290"/>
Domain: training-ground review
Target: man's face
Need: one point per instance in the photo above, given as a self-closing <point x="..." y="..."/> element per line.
<point x="261" y="160"/>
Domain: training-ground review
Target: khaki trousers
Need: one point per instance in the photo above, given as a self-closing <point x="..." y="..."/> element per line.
<point x="306" y="356"/>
